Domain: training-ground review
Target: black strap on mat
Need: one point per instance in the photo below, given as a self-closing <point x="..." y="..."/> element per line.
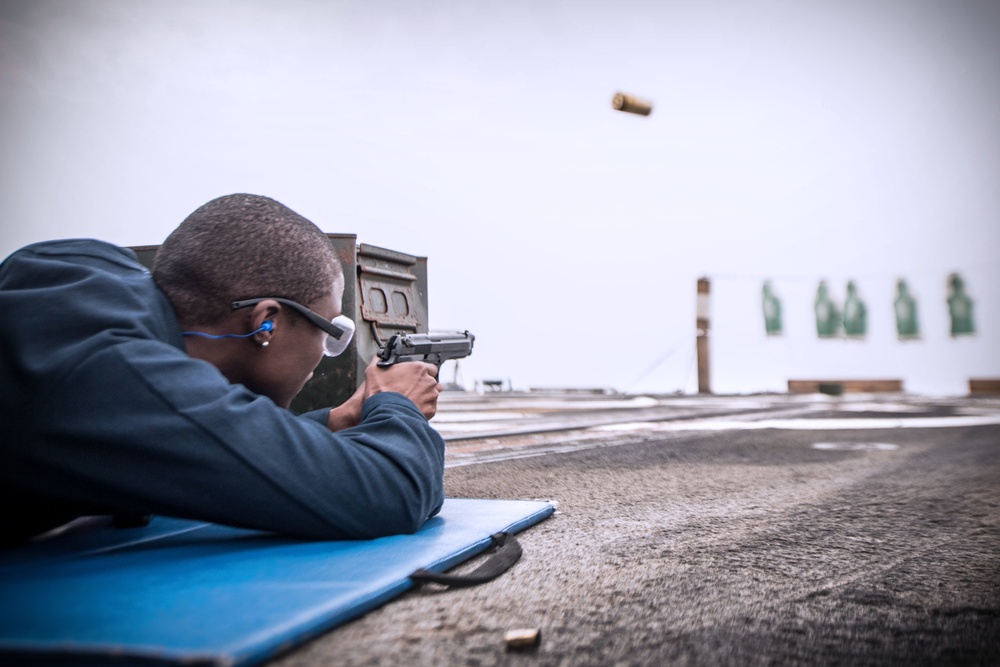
<point x="507" y="552"/>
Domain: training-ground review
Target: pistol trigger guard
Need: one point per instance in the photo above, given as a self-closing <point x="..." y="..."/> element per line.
<point x="385" y="353"/>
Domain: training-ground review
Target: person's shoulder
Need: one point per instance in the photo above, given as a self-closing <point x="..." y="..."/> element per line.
<point x="83" y="247"/>
<point x="77" y="251"/>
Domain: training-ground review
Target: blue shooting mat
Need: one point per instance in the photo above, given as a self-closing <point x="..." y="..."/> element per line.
<point x="188" y="592"/>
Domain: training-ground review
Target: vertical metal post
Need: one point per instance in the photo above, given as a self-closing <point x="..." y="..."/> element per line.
<point x="704" y="385"/>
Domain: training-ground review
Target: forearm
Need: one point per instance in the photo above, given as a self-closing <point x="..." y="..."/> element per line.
<point x="381" y="477"/>
<point x="392" y="427"/>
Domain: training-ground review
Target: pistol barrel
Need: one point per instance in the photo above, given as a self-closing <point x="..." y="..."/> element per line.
<point x="433" y="347"/>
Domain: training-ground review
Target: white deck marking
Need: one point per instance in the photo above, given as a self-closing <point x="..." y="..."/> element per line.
<point x="856" y="446"/>
<point x="806" y="424"/>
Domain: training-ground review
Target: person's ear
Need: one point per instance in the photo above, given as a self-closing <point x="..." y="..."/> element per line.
<point x="264" y="320"/>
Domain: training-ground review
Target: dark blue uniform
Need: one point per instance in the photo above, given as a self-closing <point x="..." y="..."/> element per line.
<point x="102" y="412"/>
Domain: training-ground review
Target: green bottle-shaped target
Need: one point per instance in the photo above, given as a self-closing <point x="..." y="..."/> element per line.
<point x="772" y="310"/>
<point x="855" y="313"/>
<point x="905" y="306"/>
<point x="827" y="314"/>
<point x="959" y="307"/>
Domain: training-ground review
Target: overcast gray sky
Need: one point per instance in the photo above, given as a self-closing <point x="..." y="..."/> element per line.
<point x="830" y="138"/>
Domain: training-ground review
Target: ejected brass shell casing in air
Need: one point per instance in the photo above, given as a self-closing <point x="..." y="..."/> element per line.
<point x="630" y="104"/>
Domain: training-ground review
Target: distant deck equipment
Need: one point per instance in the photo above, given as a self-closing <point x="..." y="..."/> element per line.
<point x="837" y="387"/>
<point x="984" y="386"/>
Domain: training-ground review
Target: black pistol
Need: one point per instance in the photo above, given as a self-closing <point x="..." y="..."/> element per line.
<point x="435" y="348"/>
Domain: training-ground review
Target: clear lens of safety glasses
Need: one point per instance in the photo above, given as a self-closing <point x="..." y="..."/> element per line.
<point x="336" y="345"/>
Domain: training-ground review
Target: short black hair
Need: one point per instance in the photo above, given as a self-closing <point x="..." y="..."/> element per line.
<point x="242" y="246"/>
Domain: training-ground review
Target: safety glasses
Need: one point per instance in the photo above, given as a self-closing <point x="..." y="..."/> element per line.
<point x="340" y="328"/>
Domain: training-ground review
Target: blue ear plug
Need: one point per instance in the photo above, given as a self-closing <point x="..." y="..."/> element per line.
<point x="266" y="325"/>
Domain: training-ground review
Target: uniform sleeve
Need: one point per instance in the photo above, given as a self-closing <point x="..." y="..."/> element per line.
<point x="141" y="427"/>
